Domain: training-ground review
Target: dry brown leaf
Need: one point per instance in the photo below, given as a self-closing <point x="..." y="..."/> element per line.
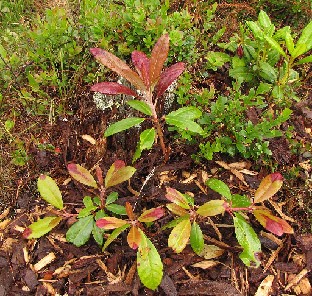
<point x="239" y="165"/>
<point x="211" y="252"/>
<point x="206" y="264"/>
<point x="88" y="138"/>
<point x="265" y="286"/>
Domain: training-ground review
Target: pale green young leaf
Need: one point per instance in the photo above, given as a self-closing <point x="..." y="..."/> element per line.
<point x="175" y="222"/>
<point x="81" y="175"/>
<point x="114" y="235"/>
<point x="240" y="201"/>
<point x="188" y="113"/>
<point x="41" y="227"/>
<point x="140" y="106"/>
<point x="299" y="50"/>
<point x="258" y="33"/>
<point x="220" y="187"/>
<point x="147" y="138"/>
<point x="122" y="125"/>
<point x="179" y="236"/>
<point x="150" y="267"/>
<point x="79" y="233"/>
<point x="306" y="37"/>
<point x="49" y="191"/>
<point x="211" y="208"/>
<point x="264" y="20"/>
<point x="196" y="238"/>
<point x="248" y="239"/>
<point x="289" y="42"/>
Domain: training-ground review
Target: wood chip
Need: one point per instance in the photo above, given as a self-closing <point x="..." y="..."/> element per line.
<point x="265" y="286"/>
<point x="5" y="213"/>
<point x="296" y="279"/>
<point x="90" y="139"/>
<point x="44" y="261"/>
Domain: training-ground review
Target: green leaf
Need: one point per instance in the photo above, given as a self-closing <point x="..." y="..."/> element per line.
<point x="175" y="222"/>
<point x="81" y="175"/>
<point x="177" y="197"/>
<point x="41" y="227"/>
<point x="275" y="45"/>
<point x="196" y="238"/>
<point x="306" y="37"/>
<point x="188" y="113"/>
<point x="118" y="173"/>
<point x="211" y="208"/>
<point x="79" y="233"/>
<point x="216" y="59"/>
<point x="122" y="125"/>
<point x="114" y="235"/>
<point x="307" y="59"/>
<point x="289" y="42"/>
<point x="113" y="196"/>
<point x="241" y="73"/>
<point x="299" y="50"/>
<point x="116" y="209"/>
<point x="268" y="72"/>
<point x="240" y="201"/>
<point x="248" y="239"/>
<point x="49" y="191"/>
<point x="258" y="33"/>
<point x="98" y="234"/>
<point x="220" y="187"/>
<point x="185" y="124"/>
<point x="147" y="138"/>
<point x="87" y="201"/>
<point x="179" y="236"/>
<point x="140" y="106"/>
<point x="264" y="19"/>
<point x="150" y="267"/>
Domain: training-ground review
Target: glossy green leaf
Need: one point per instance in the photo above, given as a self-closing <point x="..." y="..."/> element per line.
<point x="79" y="233"/>
<point x="179" y="236"/>
<point x="220" y="187"/>
<point x="289" y="42"/>
<point x="268" y="187"/>
<point x="212" y="208"/>
<point x="258" y="33"/>
<point x="113" y="196"/>
<point x="140" y="106"/>
<point x="175" y="222"/>
<point x="299" y="50"/>
<point x="98" y="234"/>
<point x="116" y="209"/>
<point x="196" y="238"/>
<point x="147" y="138"/>
<point x="306" y="37"/>
<point x="248" y="239"/>
<point x="149" y="265"/>
<point x="81" y="175"/>
<point x="240" y="201"/>
<point x="118" y="173"/>
<point x="41" y="227"/>
<point x="114" y="235"/>
<point x="264" y="19"/>
<point x="122" y="125"/>
<point x="274" y="44"/>
<point x="267" y="72"/>
<point x="177" y="197"/>
<point x="49" y="191"/>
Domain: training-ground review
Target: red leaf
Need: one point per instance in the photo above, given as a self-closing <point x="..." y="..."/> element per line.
<point x="27" y="232"/>
<point x="112" y="88"/>
<point x="118" y="173"/>
<point x="152" y="215"/>
<point x="168" y="77"/>
<point x="117" y="65"/>
<point x="158" y="58"/>
<point x="142" y="65"/>
<point x="81" y="175"/>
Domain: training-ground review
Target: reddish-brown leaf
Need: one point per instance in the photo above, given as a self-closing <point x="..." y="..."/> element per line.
<point x="118" y="173"/>
<point x="168" y="77"/>
<point x="152" y="215"/>
<point x="129" y="211"/>
<point x="110" y="223"/>
<point x="272" y="223"/>
<point x="142" y="65"/>
<point x="177" y="197"/>
<point x="174" y="208"/>
<point x="81" y="175"/>
<point x="117" y="65"/>
<point x="158" y="58"/>
<point x="113" y="88"/>
<point x="268" y="187"/>
<point x="134" y="238"/>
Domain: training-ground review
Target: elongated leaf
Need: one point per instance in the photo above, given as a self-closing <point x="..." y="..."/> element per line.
<point x="248" y="239"/>
<point x="240" y="201"/>
<point x="98" y="235"/>
<point x="114" y="235"/>
<point x="168" y="77"/>
<point x="116" y="209"/>
<point x="117" y="65"/>
<point x="212" y="208"/>
<point x="158" y="58"/>
<point x="140" y="106"/>
<point x="188" y="113"/>
<point x="147" y="138"/>
<point x="79" y="233"/>
<point x="110" y="223"/>
<point x="306" y="37"/>
<point x="49" y="191"/>
<point x="113" y="88"/>
<point x="272" y="223"/>
<point x="179" y="236"/>
<point x="289" y="42"/>
<point x="174" y="208"/>
<point x="175" y="222"/>
<point x="142" y="65"/>
<point x="177" y="197"/>
<point x="299" y="50"/>
<point x="113" y="196"/>
<point x="196" y="238"/>
<point x="41" y="227"/>
<point x="188" y="125"/>
<point x="152" y="215"/>
<point x="307" y="59"/>
<point x="134" y="238"/>
<point x="150" y="267"/>
<point x="258" y="33"/>
<point x="81" y="175"/>
<point x="220" y="187"/>
<point x="264" y="19"/>
<point x="118" y="173"/>
<point x="268" y="187"/>
<point x="268" y="72"/>
<point x="275" y="45"/>
<point x="122" y="125"/>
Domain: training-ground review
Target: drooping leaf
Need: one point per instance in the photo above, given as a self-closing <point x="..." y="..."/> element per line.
<point x="79" y="233"/>
<point x="220" y="187"/>
<point x="268" y="187"/>
<point x="150" y="267"/>
<point x="41" y="227"/>
<point x="306" y="37"/>
<point x="117" y="65"/>
<point x="174" y="208"/>
<point x="248" y="239"/>
<point x="168" y="77"/>
<point x="118" y="173"/>
<point x="142" y="65"/>
<point x="113" y="88"/>
<point x="196" y="238"/>
<point x="212" y="208"/>
<point x="140" y="106"/>
<point x="272" y="223"/>
<point x="177" y="197"/>
<point x="158" y="58"/>
<point x="81" y="175"/>
<point x="114" y="235"/>
<point x="134" y="238"/>
<point x="179" y="236"/>
<point x="116" y="209"/>
<point x="122" y="125"/>
<point x="110" y="223"/>
<point x="49" y="191"/>
<point x="152" y="215"/>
